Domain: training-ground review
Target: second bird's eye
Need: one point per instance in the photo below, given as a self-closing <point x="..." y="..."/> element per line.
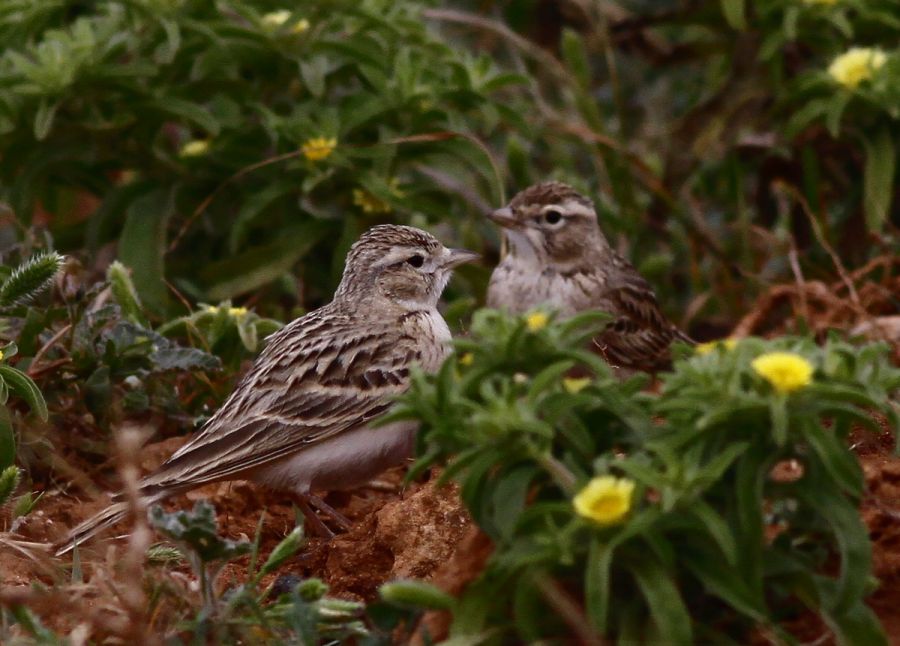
<point x="416" y="261"/>
<point x="552" y="217"/>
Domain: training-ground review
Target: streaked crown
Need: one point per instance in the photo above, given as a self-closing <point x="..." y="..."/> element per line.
<point x="402" y="264"/>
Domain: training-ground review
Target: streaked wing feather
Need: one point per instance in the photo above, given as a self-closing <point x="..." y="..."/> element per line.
<point x="317" y="378"/>
<point x="641" y="334"/>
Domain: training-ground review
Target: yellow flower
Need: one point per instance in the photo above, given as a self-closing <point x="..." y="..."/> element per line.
<point x="467" y="359"/>
<point x="212" y="309"/>
<point x="536" y="321"/>
<point x="275" y="19"/>
<point x="369" y="203"/>
<point x="605" y="499"/>
<point x="195" y="148"/>
<point x="709" y="346"/>
<point x="318" y="148"/>
<point x="786" y="371"/>
<point x="237" y="311"/>
<point x="1" y="355"/>
<point x="300" y="26"/>
<point x="573" y="385"/>
<point x="856" y="65"/>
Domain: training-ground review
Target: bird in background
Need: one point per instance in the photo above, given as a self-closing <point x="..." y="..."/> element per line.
<point x="300" y="419"/>
<point x="558" y="257"/>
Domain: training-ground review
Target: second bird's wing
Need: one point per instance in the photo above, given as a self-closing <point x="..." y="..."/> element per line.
<point x="319" y="376"/>
<point x="640" y="334"/>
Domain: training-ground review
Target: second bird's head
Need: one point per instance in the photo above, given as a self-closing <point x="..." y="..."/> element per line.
<point x="550" y="224"/>
<point x="403" y="264"/>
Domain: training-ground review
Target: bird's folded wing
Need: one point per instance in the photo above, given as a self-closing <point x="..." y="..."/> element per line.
<point x="641" y="334"/>
<point x="304" y="388"/>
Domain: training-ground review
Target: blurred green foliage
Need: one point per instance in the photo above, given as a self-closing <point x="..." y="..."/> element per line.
<point x="687" y="532"/>
<point x="227" y="147"/>
<point x="149" y="108"/>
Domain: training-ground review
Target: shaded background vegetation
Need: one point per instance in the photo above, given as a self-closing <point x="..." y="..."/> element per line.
<point x="227" y="153"/>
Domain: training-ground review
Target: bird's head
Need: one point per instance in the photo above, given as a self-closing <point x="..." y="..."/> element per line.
<point x="404" y="265"/>
<point x="550" y="225"/>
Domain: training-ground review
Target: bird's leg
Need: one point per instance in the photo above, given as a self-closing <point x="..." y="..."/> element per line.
<point x="318" y="527"/>
<point x="342" y="521"/>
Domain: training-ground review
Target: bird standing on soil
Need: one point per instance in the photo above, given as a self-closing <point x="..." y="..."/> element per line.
<point x="558" y="257"/>
<point x="300" y="419"/>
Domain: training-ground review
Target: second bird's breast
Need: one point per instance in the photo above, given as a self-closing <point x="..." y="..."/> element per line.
<point x="520" y="289"/>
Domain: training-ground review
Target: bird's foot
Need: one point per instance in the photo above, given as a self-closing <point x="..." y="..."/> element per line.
<point x="306" y="503"/>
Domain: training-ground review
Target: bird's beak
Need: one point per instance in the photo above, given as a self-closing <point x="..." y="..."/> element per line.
<point x="505" y="218"/>
<point x="455" y="257"/>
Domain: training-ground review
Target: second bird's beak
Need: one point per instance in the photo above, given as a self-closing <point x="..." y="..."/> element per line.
<point x="455" y="257"/>
<point x="504" y="217"/>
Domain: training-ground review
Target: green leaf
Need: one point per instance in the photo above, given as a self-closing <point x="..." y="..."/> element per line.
<point x="837" y="459"/>
<point x="30" y="278"/>
<point x="188" y="111"/>
<point x="857" y="625"/>
<point x="196" y="530"/>
<point x="416" y="594"/>
<point x="717" y="528"/>
<point x="508" y="495"/>
<point x="878" y="179"/>
<point x="834" y="111"/>
<point x="124" y="293"/>
<point x="576" y="58"/>
<point x="254" y="268"/>
<point x="43" y="119"/>
<point x="24" y="386"/>
<point x="142" y="247"/>
<point x="735" y="13"/>
<point x="723" y="583"/>
<point x="283" y="551"/>
<point x="779" y="412"/>
<point x="9" y="481"/>
<point x="853" y="543"/>
<point x="663" y="599"/>
<point x="596" y="583"/>
<point x="7" y="439"/>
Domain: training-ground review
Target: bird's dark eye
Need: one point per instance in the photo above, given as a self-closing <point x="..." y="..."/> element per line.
<point x="416" y="261"/>
<point x="552" y="217"/>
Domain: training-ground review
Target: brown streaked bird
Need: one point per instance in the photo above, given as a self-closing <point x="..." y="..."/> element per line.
<point x="558" y="257"/>
<point x="300" y="418"/>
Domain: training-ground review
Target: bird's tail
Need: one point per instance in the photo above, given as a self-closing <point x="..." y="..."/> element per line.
<point x="92" y="526"/>
<point x="113" y="514"/>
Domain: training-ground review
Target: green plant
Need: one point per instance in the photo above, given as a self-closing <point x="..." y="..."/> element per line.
<point x="20" y="285"/>
<point x="226" y="142"/>
<point x="231" y="333"/>
<point x="679" y="531"/>
<point x="251" y="611"/>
